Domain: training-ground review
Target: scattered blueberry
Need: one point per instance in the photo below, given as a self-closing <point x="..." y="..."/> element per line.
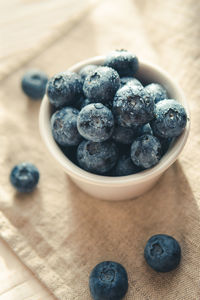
<point x="64" y="126"/>
<point x="95" y="122"/>
<point x="124" y="135"/>
<point x="123" y="61"/>
<point x="162" y="253"/>
<point x="145" y="129"/>
<point x="170" y="119"/>
<point x="125" y="166"/>
<point x="128" y="80"/>
<point x="101" y="84"/>
<point x="146" y="151"/>
<point x="24" y="177"/>
<point x="97" y="158"/>
<point x="64" y="89"/>
<point x="108" y="281"/>
<point x="84" y="72"/>
<point x="158" y="91"/>
<point x="34" y="84"/>
<point x="133" y="105"/>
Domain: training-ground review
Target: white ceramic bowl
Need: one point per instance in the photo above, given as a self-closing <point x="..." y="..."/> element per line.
<point x="124" y="187"/>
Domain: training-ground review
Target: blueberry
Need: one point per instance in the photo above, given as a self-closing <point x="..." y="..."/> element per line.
<point x="85" y="71"/>
<point x="165" y="144"/>
<point x="145" y="129"/>
<point x="124" y="135"/>
<point x="158" y="91"/>
<point x="170" y="120"/>
<point x="101" y="84"/>
<point x="128" y="80"/>
<point x="123" y="61"/>
<point x="82" y="102"/>
<point x="64" y="126"/>
<point x="95" y="122"/>
<point x="109" y="104"/>
<point x="108" y="281"/>
<point x="162" y="253"/>
<point x="146" y="151"/>
<point x="64" y="89"/>
<point x="70" y="152"/>
<point x="97" y="158"/>
<point x="125" y="166"/>
<point x="34" y="84"/>
<point x="124" y="149"/>
<point x="133" y="105"/>
<point x="24" y="177"/>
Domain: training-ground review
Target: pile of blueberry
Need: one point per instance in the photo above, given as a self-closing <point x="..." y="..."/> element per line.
<point x="114" y="124"/>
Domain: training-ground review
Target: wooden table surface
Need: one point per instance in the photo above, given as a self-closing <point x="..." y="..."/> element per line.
<point x="16" y="281"/>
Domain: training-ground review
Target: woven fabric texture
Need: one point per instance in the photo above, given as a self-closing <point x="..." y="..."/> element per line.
<point x="61" y="233"/>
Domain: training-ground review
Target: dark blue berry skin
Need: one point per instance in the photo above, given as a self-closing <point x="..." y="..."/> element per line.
<point x="145" y="129"/>
<point x="108" y="281"/>
<point x="24" y="177"/>
<point x="158" y="91"/>
<point x="170" y="119"/>
<point x="64" y="127"/>
<point x="97" y="158"/>
<point x="34" y="84"/>
<point x="165" y="144"/>
<point x="146" y="151"/>
<point x="85" y="71"/>
<point x="124" y="135"/>
<point x="101" y="85"/>
<point x="128" y="80"/>
<point x="162" y="253"/>
<point x="109" y="104"/>
<point x="125" y="166"/>
<point x="64" y="89"/>
<point x="95" y="122"/>
<point x="123" y="61"/>
<point x="133" y="105"/>
<point x="82" y="102"/>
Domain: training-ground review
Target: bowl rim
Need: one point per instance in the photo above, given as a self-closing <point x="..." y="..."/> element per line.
<point x="73" y="170"/>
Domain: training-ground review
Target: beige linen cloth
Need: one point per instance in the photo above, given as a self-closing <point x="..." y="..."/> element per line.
<point x="61" y="233"/>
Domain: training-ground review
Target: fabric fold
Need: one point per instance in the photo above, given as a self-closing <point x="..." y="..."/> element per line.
<point x="58" y="231"/>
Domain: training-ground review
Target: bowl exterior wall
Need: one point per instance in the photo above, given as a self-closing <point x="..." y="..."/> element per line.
<point x="117" y="193"/>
